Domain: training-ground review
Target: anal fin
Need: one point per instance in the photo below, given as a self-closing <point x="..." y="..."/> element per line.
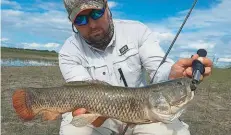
<point x="49" y="115"/>
<point x="84" y="119"/>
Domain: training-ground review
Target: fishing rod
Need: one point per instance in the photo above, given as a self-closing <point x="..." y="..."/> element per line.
<point x="174" y="40"/>
<point x="163" y="60"/>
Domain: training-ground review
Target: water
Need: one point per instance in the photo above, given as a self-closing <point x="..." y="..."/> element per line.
<point x="27" y="62"/>
<point x="221" y="64"/>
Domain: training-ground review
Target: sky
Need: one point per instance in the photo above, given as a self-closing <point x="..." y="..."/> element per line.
<point x="42" y="24"/>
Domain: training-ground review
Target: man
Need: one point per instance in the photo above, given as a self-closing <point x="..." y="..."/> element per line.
<point x="100" y="47"/>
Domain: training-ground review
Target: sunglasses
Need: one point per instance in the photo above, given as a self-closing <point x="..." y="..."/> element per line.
<point x="94" y="14"/>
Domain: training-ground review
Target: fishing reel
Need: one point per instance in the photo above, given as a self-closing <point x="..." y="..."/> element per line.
<point x="198" y="69"/>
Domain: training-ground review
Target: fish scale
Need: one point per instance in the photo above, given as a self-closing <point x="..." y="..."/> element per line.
<point x="128" y="109"/>
<point x="128" y="104"/>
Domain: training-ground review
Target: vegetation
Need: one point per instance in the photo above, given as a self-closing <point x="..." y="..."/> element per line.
<point x="7" y="52"/>
<point x="208" y="114"/>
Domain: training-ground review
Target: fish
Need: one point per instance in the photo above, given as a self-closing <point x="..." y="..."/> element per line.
<point x="163" y="101"/>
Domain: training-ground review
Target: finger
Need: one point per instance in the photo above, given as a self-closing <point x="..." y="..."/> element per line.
<point x="195" y="56"/>
<point x="185" y="62"/>
<point x="79" y="111"/>
<point x="99" y="121"/>
<point x="186" y="75"/>
<point x="205" y="61"/>
<point x="188" y="71"/>
<point x="176" y="71"/>
<point x="189" y="74"/>
<point x="208" y="71"/>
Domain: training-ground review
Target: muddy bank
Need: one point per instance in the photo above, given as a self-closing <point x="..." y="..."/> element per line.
<point x="208" y="114"/>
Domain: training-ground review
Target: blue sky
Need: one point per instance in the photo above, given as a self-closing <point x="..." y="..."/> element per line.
<point x="42" y="24"/>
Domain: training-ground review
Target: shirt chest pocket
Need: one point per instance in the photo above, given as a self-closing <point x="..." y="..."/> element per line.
<point x="98" y="72"/>
<point x="130" y="65"/>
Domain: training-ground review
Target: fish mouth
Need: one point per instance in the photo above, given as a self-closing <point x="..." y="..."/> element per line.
<point x="179" y="101"/>
<point x="165" y="117"/>
<point x="171" y="105"/>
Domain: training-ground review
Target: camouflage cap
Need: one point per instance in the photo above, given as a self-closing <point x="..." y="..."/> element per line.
<point x="74" y="7"/>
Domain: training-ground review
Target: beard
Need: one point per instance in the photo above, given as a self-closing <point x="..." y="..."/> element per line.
<point x="101" y="40"/>
<point x="97" y="36"/>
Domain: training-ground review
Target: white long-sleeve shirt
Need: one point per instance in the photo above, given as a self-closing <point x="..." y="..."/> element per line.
<point x="133" y="48"/>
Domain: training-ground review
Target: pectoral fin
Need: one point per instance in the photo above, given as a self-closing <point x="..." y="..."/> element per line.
<point x="84" y="119"/>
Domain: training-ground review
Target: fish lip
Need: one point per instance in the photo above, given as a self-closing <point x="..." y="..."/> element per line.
<point x="166" y="118"/>
<point x="179" y="101"/>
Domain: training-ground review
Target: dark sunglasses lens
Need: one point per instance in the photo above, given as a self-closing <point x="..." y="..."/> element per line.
<point x="81" y="20"/>
<point x="96" y="14"/>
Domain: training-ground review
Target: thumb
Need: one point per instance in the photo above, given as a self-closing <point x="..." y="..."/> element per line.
<point x="79" y="111"/>
<point x="195" y="56"/>
<point x="187" y="62"/>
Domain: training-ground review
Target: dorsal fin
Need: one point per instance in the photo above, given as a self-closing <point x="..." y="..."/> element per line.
<point x="87" y="82"/>
<point x="76" y="83"/>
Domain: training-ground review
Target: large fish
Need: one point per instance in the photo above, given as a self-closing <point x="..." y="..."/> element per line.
<point x="163" y="101"/>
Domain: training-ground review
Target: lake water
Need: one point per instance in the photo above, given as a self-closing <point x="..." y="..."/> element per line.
<point x="26" y="62"/>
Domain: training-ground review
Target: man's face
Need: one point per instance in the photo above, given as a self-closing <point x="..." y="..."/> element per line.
<point x="94" y="30"/>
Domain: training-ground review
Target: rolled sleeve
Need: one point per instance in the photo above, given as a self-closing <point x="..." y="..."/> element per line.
<point x="151" y="55"/>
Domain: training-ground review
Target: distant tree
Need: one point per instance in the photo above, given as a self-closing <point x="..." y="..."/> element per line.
<point x="53" y="51"/>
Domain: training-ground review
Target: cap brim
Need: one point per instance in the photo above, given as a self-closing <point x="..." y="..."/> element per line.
<point x="83" y="7"/>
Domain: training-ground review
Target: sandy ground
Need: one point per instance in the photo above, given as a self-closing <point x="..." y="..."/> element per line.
<point x="17" y="77"/>
<point x="208" y="114"/>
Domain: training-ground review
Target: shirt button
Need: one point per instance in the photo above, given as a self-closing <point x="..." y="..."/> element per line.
<point x="104" y="73"/>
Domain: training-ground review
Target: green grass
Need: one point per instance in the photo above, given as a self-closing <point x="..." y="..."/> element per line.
<point x="210" y="111"/>
<point x="29" y="51"/>
<point x="7" y="52"/>
<point x="208" y="114"/>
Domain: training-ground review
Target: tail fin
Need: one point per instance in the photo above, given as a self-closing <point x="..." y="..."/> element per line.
<point x="21" y="106"/>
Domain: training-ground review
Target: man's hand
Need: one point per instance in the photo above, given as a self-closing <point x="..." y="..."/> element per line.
<point x="97" y="123"/>
<point x="183" y="67"/>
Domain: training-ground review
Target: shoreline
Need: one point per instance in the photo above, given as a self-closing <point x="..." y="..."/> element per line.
<point x="11" y="53"/>
<point x="27" y="57"/>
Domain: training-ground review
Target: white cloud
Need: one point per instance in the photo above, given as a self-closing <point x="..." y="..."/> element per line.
<point x="204" y="18"/>
<point x="50" y="5"/>
<point x="224" y="59"/>
<point x="31" y="45"/>
<point x="185" y="54"/>
<point x="198" y="45"/>
<point x="48" y="46"/>
<point x="112" y="4"/>
<point x="163" y="36"/>
<point x="205" y="28"/>
<point x="11" y="13"/>
<point x="51" y="45"/>
<point x="4" y="39"/>
<point x="52" y="24"/>
<point x="14" y="4"/>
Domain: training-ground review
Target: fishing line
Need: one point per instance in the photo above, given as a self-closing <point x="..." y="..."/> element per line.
<point x="163" y="60"/>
